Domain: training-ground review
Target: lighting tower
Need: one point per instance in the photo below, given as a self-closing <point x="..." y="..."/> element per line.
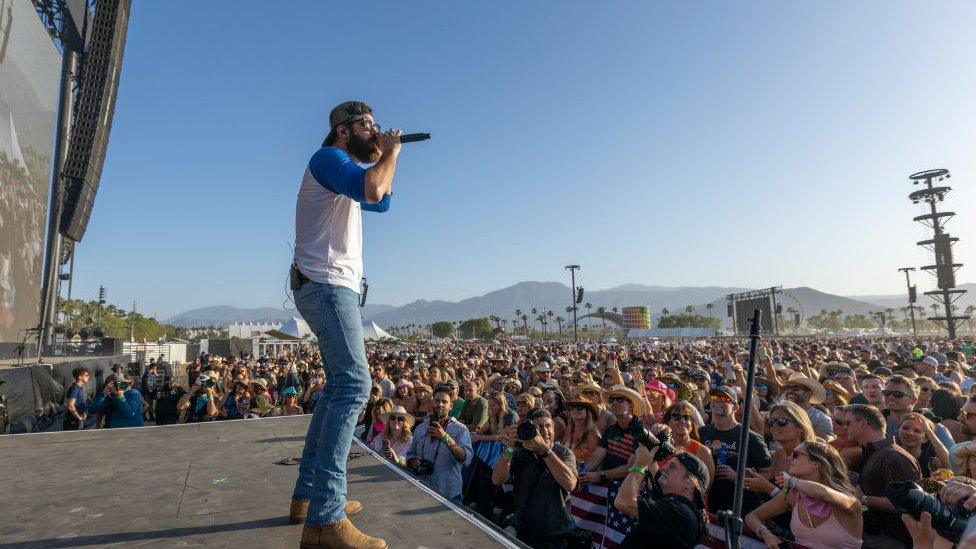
<point x="944" y="269"/>
<point x="911" y="296"/>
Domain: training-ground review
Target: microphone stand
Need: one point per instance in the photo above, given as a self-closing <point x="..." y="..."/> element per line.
<point x="733" y="518"/>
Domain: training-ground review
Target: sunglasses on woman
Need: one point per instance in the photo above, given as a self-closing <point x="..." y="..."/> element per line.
<point x="721" y="398"/>
<point x="781" y="421"/>
<point x="797" y="453"/>
<point x="681" y="417"/>
<point x="577" y="407"/>
<point x="617" y="399"/>
<point x="400" y="419"/>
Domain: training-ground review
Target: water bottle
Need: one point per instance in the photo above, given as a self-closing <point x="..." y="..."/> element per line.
<point x="584" y="488"/>
<point x="723" y="455"/>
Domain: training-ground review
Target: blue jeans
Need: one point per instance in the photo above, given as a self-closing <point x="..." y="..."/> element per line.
<point x="332" y="312"/>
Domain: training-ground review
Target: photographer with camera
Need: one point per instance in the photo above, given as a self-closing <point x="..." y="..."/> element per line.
<point x="673" y="515"/>
<point x="200" y="403"/>
<point x="542" y="474"/>
<point x="120" y="403"/>
<point x="167" y="396"/>
<point x="441" y="447"/>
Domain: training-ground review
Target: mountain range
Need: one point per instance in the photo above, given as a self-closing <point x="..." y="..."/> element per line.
<point x="556" y="297"/>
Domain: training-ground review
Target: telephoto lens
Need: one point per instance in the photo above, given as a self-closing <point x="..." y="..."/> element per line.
<point x="909" y="498"/>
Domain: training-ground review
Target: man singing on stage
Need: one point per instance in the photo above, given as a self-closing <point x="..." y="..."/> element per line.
<point x="326" y="277"/>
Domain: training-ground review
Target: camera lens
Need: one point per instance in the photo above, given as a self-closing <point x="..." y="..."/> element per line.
<point x="908" y="497"/>
<point x="526" y="431"/>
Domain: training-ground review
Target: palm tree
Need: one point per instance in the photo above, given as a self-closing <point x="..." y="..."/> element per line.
<point x="525" y="324"/>
<point x="588" y="307"/>
<point x="602" y="311"/>
<point x="970" y="309"/>
<point x="542" y="321"/>
<point x="710" y="306"/>
<point x="665" y="312"/>
<point x="559" y="322"/>
<point x="535" y="312"/>
<point x="689" y="309"/>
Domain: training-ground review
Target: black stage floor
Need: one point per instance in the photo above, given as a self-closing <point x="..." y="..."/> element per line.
<point x="201" y="485"/>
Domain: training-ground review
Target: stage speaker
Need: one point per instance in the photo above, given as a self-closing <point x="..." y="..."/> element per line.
<point x="943" y="260"/>
<point x="111" y="346"/>
<point x="779" y="309"/>
<point x="102" y="63"/>
<point x="728" y="310"/>
<point x="912" y="295"/>
<point x="579" y="295"/>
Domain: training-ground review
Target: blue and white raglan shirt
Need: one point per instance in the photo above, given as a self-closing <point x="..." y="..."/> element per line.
<point x="328" y="219"/>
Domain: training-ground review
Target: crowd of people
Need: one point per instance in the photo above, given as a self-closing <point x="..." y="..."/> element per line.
<point x="571" y="445"/>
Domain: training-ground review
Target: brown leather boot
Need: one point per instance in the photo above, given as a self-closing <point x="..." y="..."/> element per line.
<point x="341" y="535"/>
<point x="299" y="510"/>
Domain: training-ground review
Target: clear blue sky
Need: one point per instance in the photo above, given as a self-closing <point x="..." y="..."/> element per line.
<point x="675" y="144"/>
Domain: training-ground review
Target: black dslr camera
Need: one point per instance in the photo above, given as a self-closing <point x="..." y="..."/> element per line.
<point x="665" y="449"/>
<point x="423" y="467"/>
<point x="526" y="431"/>
<point x="208" y="383"/>
<point x="908" y="497"/>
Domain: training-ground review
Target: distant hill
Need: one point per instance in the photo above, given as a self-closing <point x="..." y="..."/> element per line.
<point x="224" y="315"/>
<point x="555" y="296"/>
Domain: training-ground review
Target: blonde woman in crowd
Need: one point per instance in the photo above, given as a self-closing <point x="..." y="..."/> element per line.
<point x="499" y="417"/>
<point x="582" y="435"/>
<point x="916" y="434"/>
<point x="825" y="512"/>
<point x="789" y="426"/>
<point x="394" y="442"/>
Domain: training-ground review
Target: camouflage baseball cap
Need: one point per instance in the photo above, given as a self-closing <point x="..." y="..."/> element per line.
<point x="348" y="110"/>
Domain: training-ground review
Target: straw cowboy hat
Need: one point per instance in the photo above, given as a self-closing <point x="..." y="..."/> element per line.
<point x="401" y="411"/>
<point x="578" y="399"/>
<point x="590" y="388"/>
<point x="258" y="381"/>
<point x="818" y="393"/>
<point x="636" y="401"/>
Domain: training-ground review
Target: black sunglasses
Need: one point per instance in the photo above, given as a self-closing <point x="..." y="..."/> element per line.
<point x="781" y="421"/>
<point x="896" y="394"/>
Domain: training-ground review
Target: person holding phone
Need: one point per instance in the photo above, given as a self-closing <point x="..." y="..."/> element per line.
<point x="395" y="440"/>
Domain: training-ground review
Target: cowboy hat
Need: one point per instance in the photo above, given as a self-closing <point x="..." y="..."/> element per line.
<point x="817" y="391"/>
<point x="409" y="420"/>
<point x="259" y="381"/>
<point x="636" y="402"/>
<point x="578" y="400"/>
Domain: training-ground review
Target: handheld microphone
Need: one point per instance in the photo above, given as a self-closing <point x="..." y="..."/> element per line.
<point x="412" y="137"/>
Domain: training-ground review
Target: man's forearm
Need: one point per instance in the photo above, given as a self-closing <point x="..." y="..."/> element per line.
<point x="561" y="472"/>
<point x="626" y="501"/>
<point x="379" y="177"/>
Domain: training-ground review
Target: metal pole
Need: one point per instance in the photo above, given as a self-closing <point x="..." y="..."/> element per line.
<point x="775" y="319"/>
<point x="733" y="518"/>
<point x="52" y="255"/>
<point x="572" y="294"/>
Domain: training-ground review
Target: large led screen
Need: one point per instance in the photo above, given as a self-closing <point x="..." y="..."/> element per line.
<point x="30" y="66"/>
<point x="743" y="314"/>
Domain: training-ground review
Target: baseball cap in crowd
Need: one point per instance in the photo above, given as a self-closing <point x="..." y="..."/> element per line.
<point x="695" y="467"/>
<point x="347" y="110"/>
<point x="542" y="367"/>
<point x="725" y="390"/>
<point x="931" y="361"/>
